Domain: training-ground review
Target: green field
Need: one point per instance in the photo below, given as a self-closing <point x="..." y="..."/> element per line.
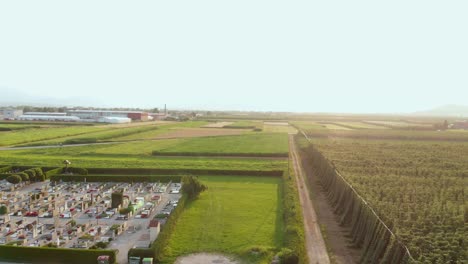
<point x="234" y="216"/>
<point x="249" y="143"/>
<point x="8" y="138"/>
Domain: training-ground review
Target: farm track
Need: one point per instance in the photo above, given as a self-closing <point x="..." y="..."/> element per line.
<point x="315" y="244"/>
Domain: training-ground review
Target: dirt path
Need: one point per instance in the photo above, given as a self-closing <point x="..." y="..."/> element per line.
<point x="204" y="258"/>
<point x="338" y="240"/>
<point x="315" y="245"/>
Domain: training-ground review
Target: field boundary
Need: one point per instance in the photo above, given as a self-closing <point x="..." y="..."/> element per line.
<point x="214" y="154"/>
<point x="53" y="255"/>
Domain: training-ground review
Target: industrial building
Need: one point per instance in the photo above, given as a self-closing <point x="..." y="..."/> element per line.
<point x="48" y="118"/>
<point x="45" y="114"/>
<point x="98" y="114"/>
<point x="10" y="114"/>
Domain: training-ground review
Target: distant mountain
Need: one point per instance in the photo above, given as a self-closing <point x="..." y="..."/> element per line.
<point x="446" y="110"/>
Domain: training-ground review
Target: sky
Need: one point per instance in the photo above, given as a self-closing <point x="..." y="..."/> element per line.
<point x="300" y="56"/>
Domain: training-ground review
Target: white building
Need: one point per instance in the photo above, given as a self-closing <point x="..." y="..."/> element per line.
<point x="48" y="118"/>
<point x="11" y="113"/>
<point x="45" y="114"/>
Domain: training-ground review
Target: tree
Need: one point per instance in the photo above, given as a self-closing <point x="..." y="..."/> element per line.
<point x="192" y="186"/>
<point x="14" y="179"/>
<point x="3" y="210"/>
<point x="117" y="198"/>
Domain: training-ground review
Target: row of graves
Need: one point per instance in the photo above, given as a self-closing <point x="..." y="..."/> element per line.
<point x="68" y="214"/>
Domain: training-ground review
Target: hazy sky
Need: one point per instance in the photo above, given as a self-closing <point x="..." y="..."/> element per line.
<point x="327" y="56"/>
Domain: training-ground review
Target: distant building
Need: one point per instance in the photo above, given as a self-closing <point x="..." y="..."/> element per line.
<point x="45" y="114"/>
<point x="97" y="114"/>
<point x="114" y="120"/>
<point x="48" y="118"/>
<point x="158" y="116"/>
<point x="11" y="114"/>
<point x="460" y="125"/>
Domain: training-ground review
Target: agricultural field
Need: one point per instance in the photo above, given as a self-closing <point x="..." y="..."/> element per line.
<point x="23" y="136"/>
<point x="313" y="130"/>
<point x="245" y="124"/>
<point x="38" y="158"/>
<point x="260" y="143"/>
<point x="360" y="125"/>
<point x="417" y="187"/>
<point x="235" y="216"/>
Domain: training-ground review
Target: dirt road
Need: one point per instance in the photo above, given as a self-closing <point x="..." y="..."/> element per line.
<point x="315" y="245"/>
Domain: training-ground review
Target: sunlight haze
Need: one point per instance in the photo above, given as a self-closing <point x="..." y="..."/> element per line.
<point x="308" y="56"/>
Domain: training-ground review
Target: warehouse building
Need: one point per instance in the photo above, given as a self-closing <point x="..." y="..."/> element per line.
<point x="48" y="118"/>
<point x="45" y="114"/>
<point x="10" y="114"/>
<point x="99" y="114"/>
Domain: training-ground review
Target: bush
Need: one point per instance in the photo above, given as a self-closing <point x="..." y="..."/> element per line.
<point x="24" y="176"/>
<point x="52" y="255"/>
<point x="80" y="141"/>
<point x="77" y="170"/>
<point x="15" y="179"/>
<point x="3" y="210"/>
<point x="287" y="256"/>
<point x="192" y="186"/>
<point x="6" y="169"/>
<point x="31" y="174"/>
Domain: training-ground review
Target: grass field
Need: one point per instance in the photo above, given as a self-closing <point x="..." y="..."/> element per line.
<point x="23" y="136"/>
<point x="234" y="216"/>
<point x="249" y="143"/>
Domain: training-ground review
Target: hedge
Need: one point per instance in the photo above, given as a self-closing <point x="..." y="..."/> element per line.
<point x="115" y="178"/>
<point x="157" y="247"/>
<point x="53" y="255"/>
<point x="210" y="154"/>
<point x="52" y="172"/>
<point x="293" y="219"/>
<point x="6" y="169"/>
<point x="77" y="170"/>
<point x="149" y="171"/>
<point x="80" y="141"/>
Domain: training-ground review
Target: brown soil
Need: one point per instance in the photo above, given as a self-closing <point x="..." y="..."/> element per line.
<point x="315" y="244"/>
<point x="218" y="124"/>
<point x="336" y="236"/>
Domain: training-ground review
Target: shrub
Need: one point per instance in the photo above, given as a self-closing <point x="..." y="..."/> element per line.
<point x="24" y="176"/>
<point x="192" y="186"/>
<point x="77" y="170"/>
<point x="80" y="141"/>
<point x="3" y="210"/>
<point x="15" y="179"/>
<point x="287" y="256"/>
<point x="52" y="255"/>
